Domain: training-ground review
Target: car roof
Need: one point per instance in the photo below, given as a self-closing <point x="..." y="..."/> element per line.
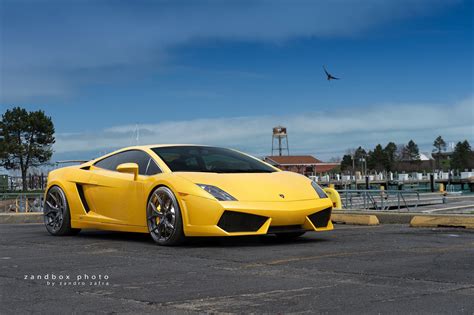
<point x="140" y="147"/>
<point x="151" y="146"/>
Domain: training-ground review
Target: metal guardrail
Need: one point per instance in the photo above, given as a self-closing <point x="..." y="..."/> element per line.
<point x="21" y="202"/>
<point x="375" y="199"/>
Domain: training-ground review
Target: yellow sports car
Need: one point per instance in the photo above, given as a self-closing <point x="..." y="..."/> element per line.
<point x="177" y="191"/>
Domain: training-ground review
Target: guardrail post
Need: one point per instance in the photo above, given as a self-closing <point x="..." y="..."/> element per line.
<point x="382" y="196"/>
<point x="398" y="197"/>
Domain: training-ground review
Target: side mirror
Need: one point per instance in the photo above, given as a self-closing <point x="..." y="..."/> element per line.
<point x="130" y="168"/>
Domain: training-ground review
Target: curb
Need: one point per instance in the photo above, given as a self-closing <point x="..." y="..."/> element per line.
<point x="443" y="221"/>
<point x="357" y="219"/>
<point x="382" y="217"/>
<point x="20" y="218"/>
<point x="413" y="219"/>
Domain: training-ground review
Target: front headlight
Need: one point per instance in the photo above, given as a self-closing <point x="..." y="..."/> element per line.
<point x="319" y="190"/>
<point x="217" y="193"/>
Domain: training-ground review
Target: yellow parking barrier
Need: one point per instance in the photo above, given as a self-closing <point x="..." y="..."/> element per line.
<point x="334" y="196"/>
<point x="441" y="188"/>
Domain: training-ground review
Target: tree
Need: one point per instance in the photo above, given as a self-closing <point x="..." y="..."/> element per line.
<point x="26" y="140"/>
<point x="411" y="152"/>
<point x="390" y="151"/>
<point x="360" y="155"/>
<point x="346" y="163"/>
<point x="377" y="159"/>
<point x="462" y="156"/>
<point x="439" y="146"/>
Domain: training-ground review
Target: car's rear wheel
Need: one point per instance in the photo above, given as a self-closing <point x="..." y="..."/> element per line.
<point x="164" y="219"/>
<point x="289" y="235"/>
<point x="57" y="217"/>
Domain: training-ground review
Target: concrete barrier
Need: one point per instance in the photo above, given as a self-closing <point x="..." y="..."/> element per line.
<point x="19" y="218"/>
<point x="465" y="221"/>
<point x="358" y="219"/>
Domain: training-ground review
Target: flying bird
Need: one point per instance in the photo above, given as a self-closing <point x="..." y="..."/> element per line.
<point x="330" y="76"/>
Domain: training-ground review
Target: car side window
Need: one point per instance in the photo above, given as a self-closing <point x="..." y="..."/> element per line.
<point x="108" y="163"/>
<point x="152" y="168"/>
<point x="146" y="165"/>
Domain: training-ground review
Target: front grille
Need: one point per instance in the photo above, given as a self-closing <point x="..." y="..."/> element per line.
<point x="321" y="218"/>
<point x="232" y="221"/>
<point x="285" y="229"/>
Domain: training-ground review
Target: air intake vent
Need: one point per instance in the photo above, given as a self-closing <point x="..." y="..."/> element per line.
<point x="321" y="218"/>
<point x="232" y="221"/>
<point x="80" y="190"/>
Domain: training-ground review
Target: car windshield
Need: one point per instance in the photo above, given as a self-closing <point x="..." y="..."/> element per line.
<point x="209" y="159"/>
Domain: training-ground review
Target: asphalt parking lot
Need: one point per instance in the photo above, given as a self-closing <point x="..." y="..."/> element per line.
<point x="354" y="269"/>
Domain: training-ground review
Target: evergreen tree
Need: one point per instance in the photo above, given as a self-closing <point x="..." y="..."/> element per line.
<point x="462" y="156"/>
<point x="390" y="151"/>
<point x="439" y="146"/>
<point x="377" y="159"/>
<point x="411" y="151"/>
<point x="346" y="163"/>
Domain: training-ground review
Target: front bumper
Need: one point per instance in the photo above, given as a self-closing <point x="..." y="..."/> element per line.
<point x="205" y="217"/>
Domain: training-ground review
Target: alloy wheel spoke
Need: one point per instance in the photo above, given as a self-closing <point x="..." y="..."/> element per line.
<point x="53" y="221"/>
<point x="156" y="229"/>
<point x="54" y="199"/>
<point x="160" y="201"/>
<point x="50" y="205"/>
<point x="49" y="212"/>
<point x="169" y="205"/>
<point x="169" y="226"/>
<point x="154" y="212"/>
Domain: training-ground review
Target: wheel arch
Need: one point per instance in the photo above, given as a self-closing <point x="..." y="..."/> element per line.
<point x="182" y="205"/>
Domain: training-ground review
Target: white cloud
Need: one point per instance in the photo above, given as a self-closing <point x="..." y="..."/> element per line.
<point x="324" y="134"/>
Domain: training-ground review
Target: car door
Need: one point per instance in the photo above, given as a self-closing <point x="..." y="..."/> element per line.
<point x="116" y="196"/>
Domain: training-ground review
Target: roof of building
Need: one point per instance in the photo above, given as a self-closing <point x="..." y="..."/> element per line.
<point x="425" y="156"/>
<point x="292" y="159"/>
<point x="326" y="167"/>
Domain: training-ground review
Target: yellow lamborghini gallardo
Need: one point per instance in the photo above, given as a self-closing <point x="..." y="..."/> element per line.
<point x="178" y="191"/>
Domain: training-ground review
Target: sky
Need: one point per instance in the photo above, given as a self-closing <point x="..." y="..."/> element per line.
<point x="225" y="72"/>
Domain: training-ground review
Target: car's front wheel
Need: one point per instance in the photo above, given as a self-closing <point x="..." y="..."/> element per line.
<point x="164" y="219"/>
<point x="57" y="217"/>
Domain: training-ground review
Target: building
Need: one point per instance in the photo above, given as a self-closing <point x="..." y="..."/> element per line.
<point x="304" y="164"/>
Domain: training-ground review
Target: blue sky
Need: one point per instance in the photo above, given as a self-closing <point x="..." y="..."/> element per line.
<point x="225" y="72"/>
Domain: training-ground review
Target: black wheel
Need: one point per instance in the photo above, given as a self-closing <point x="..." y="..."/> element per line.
<point x="289" y="235"/>
<point x="164" y="217"/>
<point x="57" y="217"/>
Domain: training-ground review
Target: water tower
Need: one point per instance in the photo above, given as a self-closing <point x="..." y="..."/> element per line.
<point x="280" y="136"/>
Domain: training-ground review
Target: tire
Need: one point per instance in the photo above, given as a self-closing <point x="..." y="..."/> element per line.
<point x="57" y="217"/>
<point x="164" y="219"/>
<point x="290" y="235"/>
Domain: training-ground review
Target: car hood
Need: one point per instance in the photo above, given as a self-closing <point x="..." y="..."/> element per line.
<point x="257" y="186"/>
